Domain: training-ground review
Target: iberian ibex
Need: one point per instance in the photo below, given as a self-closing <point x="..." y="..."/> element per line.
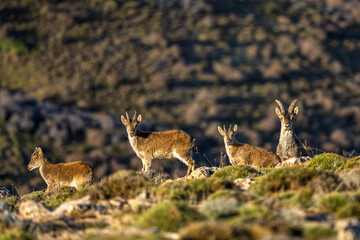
<point x="162" y="145"/>
<point x="289" y="144"/>
<point x="73" y="174"/>
<point x="241" y="153"/>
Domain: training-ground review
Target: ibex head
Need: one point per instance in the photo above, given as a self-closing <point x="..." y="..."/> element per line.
<point x="131" y="124"/>
<point x="287" y="117"/>
<point x="36" y="159"/>
<point x="228" y="135"/>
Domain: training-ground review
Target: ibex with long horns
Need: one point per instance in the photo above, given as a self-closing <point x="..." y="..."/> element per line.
<point x="165" y="145"/>
<point x="240" y="153"/>
<point x="289" y="144"/>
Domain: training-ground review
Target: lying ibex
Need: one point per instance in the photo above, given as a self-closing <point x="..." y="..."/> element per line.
<point x="166" y="145"/>
<point x="289" y="144"/>
<point x="74" y="174"/>
<point x="240" y="153"/>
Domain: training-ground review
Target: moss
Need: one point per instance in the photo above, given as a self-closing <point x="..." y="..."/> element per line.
<point x="349" y="210"/>
<point x="284" y="179"/>
<point x="333" y="201"/>
<point x="235" y="172"/>
<point x="16" y="234"/>
<point x="213" y="230"/>
<point x="327" y="161"/>
<point x="349" y="164"/>
<point x="169" y="216"/>
<point x="194" y="190"/>
<point x="10" y="45"/>
<point x="318" y="232"/>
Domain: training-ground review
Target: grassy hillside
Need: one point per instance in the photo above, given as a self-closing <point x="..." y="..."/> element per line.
<point x="192" y="65"/>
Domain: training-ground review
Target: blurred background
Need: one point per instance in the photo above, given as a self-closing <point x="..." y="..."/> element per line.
<point x="70" y="68"/>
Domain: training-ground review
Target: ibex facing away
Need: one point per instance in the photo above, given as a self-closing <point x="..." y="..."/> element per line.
<point x="165" y="145"/>
<point x="240" y="153"/>
<point x="74" y="174"/>
<point x="289" y="144"/>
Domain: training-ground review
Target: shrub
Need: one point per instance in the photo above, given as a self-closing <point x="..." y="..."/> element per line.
<point x="235" y="172"/>
<point x="194" y="190"/>
<point x="154" y="177"/>
<point x="349" y="164"/>
<point x="303" y="198"/>
<point x="333" y="201"/>
<point x="125" y="184"/>
<point x="219" y="207"/>
<point x="53" y="199"/>
<point x="214" y="231"/>
<point x="327" y="161"/>
<point x="284" y="179"/>
<point x="318" y="232"/>
<point x="169" y="216"/>
<point x="349" y="210"/>
<point x="250" y="212"/>
<point x="16" y="234"/>
<point x="350" y="179"/>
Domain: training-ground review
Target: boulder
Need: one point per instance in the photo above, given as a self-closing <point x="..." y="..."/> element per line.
<point x="202" y="172"/>
<point x="300" y="161"/>
<point x="33" y="210"/>
<point x="244" y="183"/>
<point x="348" y="229"/>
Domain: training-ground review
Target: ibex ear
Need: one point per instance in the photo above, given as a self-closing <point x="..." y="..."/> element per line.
<point x="235" y="128"/>
<point x="37" y="149"/>
<point x="296" y="110"/>
<point x="123" y="119"/>
<point x="139" y="118"/>
<point x="278" y="112"/>
<point x="220" y="130"/>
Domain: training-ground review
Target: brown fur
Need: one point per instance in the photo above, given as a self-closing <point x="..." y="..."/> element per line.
<point x="74" y="174"/>
<point x="163" y="145"/>
<point x="289" y="144"/>
<point x="240" y="153"/>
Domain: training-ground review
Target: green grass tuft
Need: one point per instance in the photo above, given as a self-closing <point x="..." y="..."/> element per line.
<point x="169" y="216"/>
<point x="235" y="172"/>
<point x="193" y="191"/>
<point x="16" y="234"/>
<point x="349" y="210"/>
<point x="333" y="201"/>
<point x="318" y="232"/>
<point x="10" y="45"/>
<point x="327" y="161"/>
<point x="350" y="164"/>
<point x="249" y="213"/>
<point x="284" y="179"/>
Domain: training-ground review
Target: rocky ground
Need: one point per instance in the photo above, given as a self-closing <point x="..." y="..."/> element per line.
<point x="318" y="200"/>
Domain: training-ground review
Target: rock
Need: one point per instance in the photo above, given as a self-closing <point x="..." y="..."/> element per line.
<point x="348" y="229"/>
<point x="33" y="210"/>
<point x="244" y="183"/>
<point x="5" y="215"/>
<point x="72" y="206"/>
<point x="300" y="161"/>
<point x="4" y="192"/>
<point x="202" y="172"/>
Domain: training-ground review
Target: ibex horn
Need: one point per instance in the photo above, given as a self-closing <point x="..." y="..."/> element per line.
<point x="224" y="127"/>
<point x="292" y="105"/>
<point x="127" y="117"/>
<point x="230" y="127"/>
<point x="282" y="108"/>
<point x="134" y="117"/>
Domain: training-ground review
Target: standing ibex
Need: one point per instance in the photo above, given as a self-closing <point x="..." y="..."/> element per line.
<point x="74" y="174"/>
<point x="166" y="145"/>
<point x="289" y="144"/>
<point x="240" y="153"/>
